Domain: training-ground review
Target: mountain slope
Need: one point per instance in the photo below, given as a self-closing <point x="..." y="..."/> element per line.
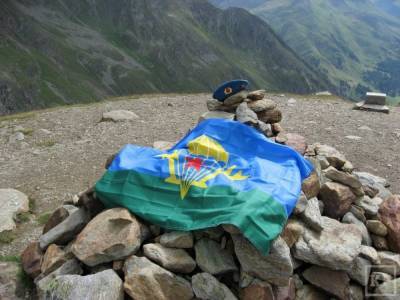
<point x="356" y="43"/>
<point x="55" y="52"/>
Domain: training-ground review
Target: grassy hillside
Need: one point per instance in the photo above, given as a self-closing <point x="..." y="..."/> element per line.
<point x="55" y="52"/>
<point x="356" y="43"/>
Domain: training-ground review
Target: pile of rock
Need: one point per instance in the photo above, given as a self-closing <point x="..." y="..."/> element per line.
<point x="252" y="108"/>
<point x="342" y="241"/>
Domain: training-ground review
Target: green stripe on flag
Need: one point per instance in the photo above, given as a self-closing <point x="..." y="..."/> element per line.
<point x="259" y="216"/>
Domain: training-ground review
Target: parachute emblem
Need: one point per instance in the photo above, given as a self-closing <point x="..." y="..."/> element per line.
<point x="206" y="160"/>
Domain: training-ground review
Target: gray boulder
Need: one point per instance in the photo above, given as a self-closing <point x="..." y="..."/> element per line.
<point x="175" y="260"/>
<point x="206" y="286"/>
<point x="12" y="202"/>
<point x="335" y="247"/>
<point x="66" y="230"/>
<point x="212" y="259"/>
<point x="145" y="280"/>
<point x="349" y="218"/>
<point x="177" y="239"/>
<point x="276" y="267"/>
<point x="119" y="116"/>
<point x="103" y="285"/>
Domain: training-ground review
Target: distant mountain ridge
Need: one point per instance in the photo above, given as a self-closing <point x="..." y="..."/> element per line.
<point x="355" y="43"/>
<point x="55" y="52"/>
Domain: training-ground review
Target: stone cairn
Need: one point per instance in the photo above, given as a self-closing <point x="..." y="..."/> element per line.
<point x="342" y="241"/>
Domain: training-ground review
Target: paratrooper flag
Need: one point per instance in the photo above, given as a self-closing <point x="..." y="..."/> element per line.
<point x="222" y="172"/>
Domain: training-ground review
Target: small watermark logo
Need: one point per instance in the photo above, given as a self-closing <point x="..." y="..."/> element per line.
<point x="379" y="275"/>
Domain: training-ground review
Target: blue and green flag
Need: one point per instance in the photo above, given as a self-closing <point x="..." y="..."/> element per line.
<point x="222" y="172"/>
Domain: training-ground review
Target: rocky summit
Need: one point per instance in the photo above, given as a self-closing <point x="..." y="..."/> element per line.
<point x="341" y="242"/>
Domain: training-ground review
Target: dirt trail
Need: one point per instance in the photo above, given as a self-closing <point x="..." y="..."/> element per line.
<point x="65" y="148"/>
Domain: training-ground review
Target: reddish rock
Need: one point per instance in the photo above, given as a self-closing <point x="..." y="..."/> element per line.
<point x="286" y="292"/>
<point x="389" y="214"/>
<point x="270" y="116"/>
<point x="292" y="232"/>
<point x="297" y="142"/>
<point x="31" y="259"/>
<point x="258" y="290"/>
<point x="53" y="259"/>
<point x="311" y="186"/>
<point x="337" y="199"/>
<point x="56" y="218"/>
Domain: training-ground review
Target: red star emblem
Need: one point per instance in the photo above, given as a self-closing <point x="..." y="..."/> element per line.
<point x="194" y="163"/>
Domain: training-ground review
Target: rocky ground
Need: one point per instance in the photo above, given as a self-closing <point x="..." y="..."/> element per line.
<point x="63" y="149"/>
<point x="52" y="155"/>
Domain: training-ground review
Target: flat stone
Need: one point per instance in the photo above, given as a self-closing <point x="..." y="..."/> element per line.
<point x="372" y="107"/>
<point x="335" y="247"/>
<point x="262" y="105"/>
<point x="334" y="157"/>
<point x="296" y="142"/>
<point x="360" y="271"/>
<point x="217" y="115"/>
<point x="112" y="235"/>
<point x="342" y="177"/>
<point x="145" y="280"/>
<point x="370" y="205"/>
<point x="31" y="259"/>
<point x="245" y="115"/>
<point x="265" y="128"/>
<point x="337" y="199"/>
<point x="119" y="116"/>
<point x="353" y="137"/>
<point x="64" y="232"/>
<point x="206" y="286"/>
<point x="270" y="116"/>
<point x="163" y="145"/>
<point x="215" y="105"/>
<point x="311" y="186"/>
<point x="312" y="215"/>
<point x="258" y="290"/>
<point x="390" y="262"/>
<point x="389" y="290"/>
<point x="175" y="260"/>
<point x="53" y="259"/>
<point x="389" y="215"/>
<point x="349" y="218"/>
<point x="276" y="267"/>
<point x="256" y="95"/>
<point x="377" y="227"/>
<point x="212" y="259"/>
<point x="103" y="285"/>
<point x="177" y="239"/>
<point x="334" y="282"/>
<point x="12" y="203"/>
<point x="236" y="98"/>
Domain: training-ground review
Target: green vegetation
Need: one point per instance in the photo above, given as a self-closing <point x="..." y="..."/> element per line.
<point x="190" y="48"/>
<point x="10" y="258"/>
<point x="19" y="116"/>
<point x="7" y="237"/>
<point x="43" y="218"/>
<point x="46" y="143"/>
<point x="355" y="43"/>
